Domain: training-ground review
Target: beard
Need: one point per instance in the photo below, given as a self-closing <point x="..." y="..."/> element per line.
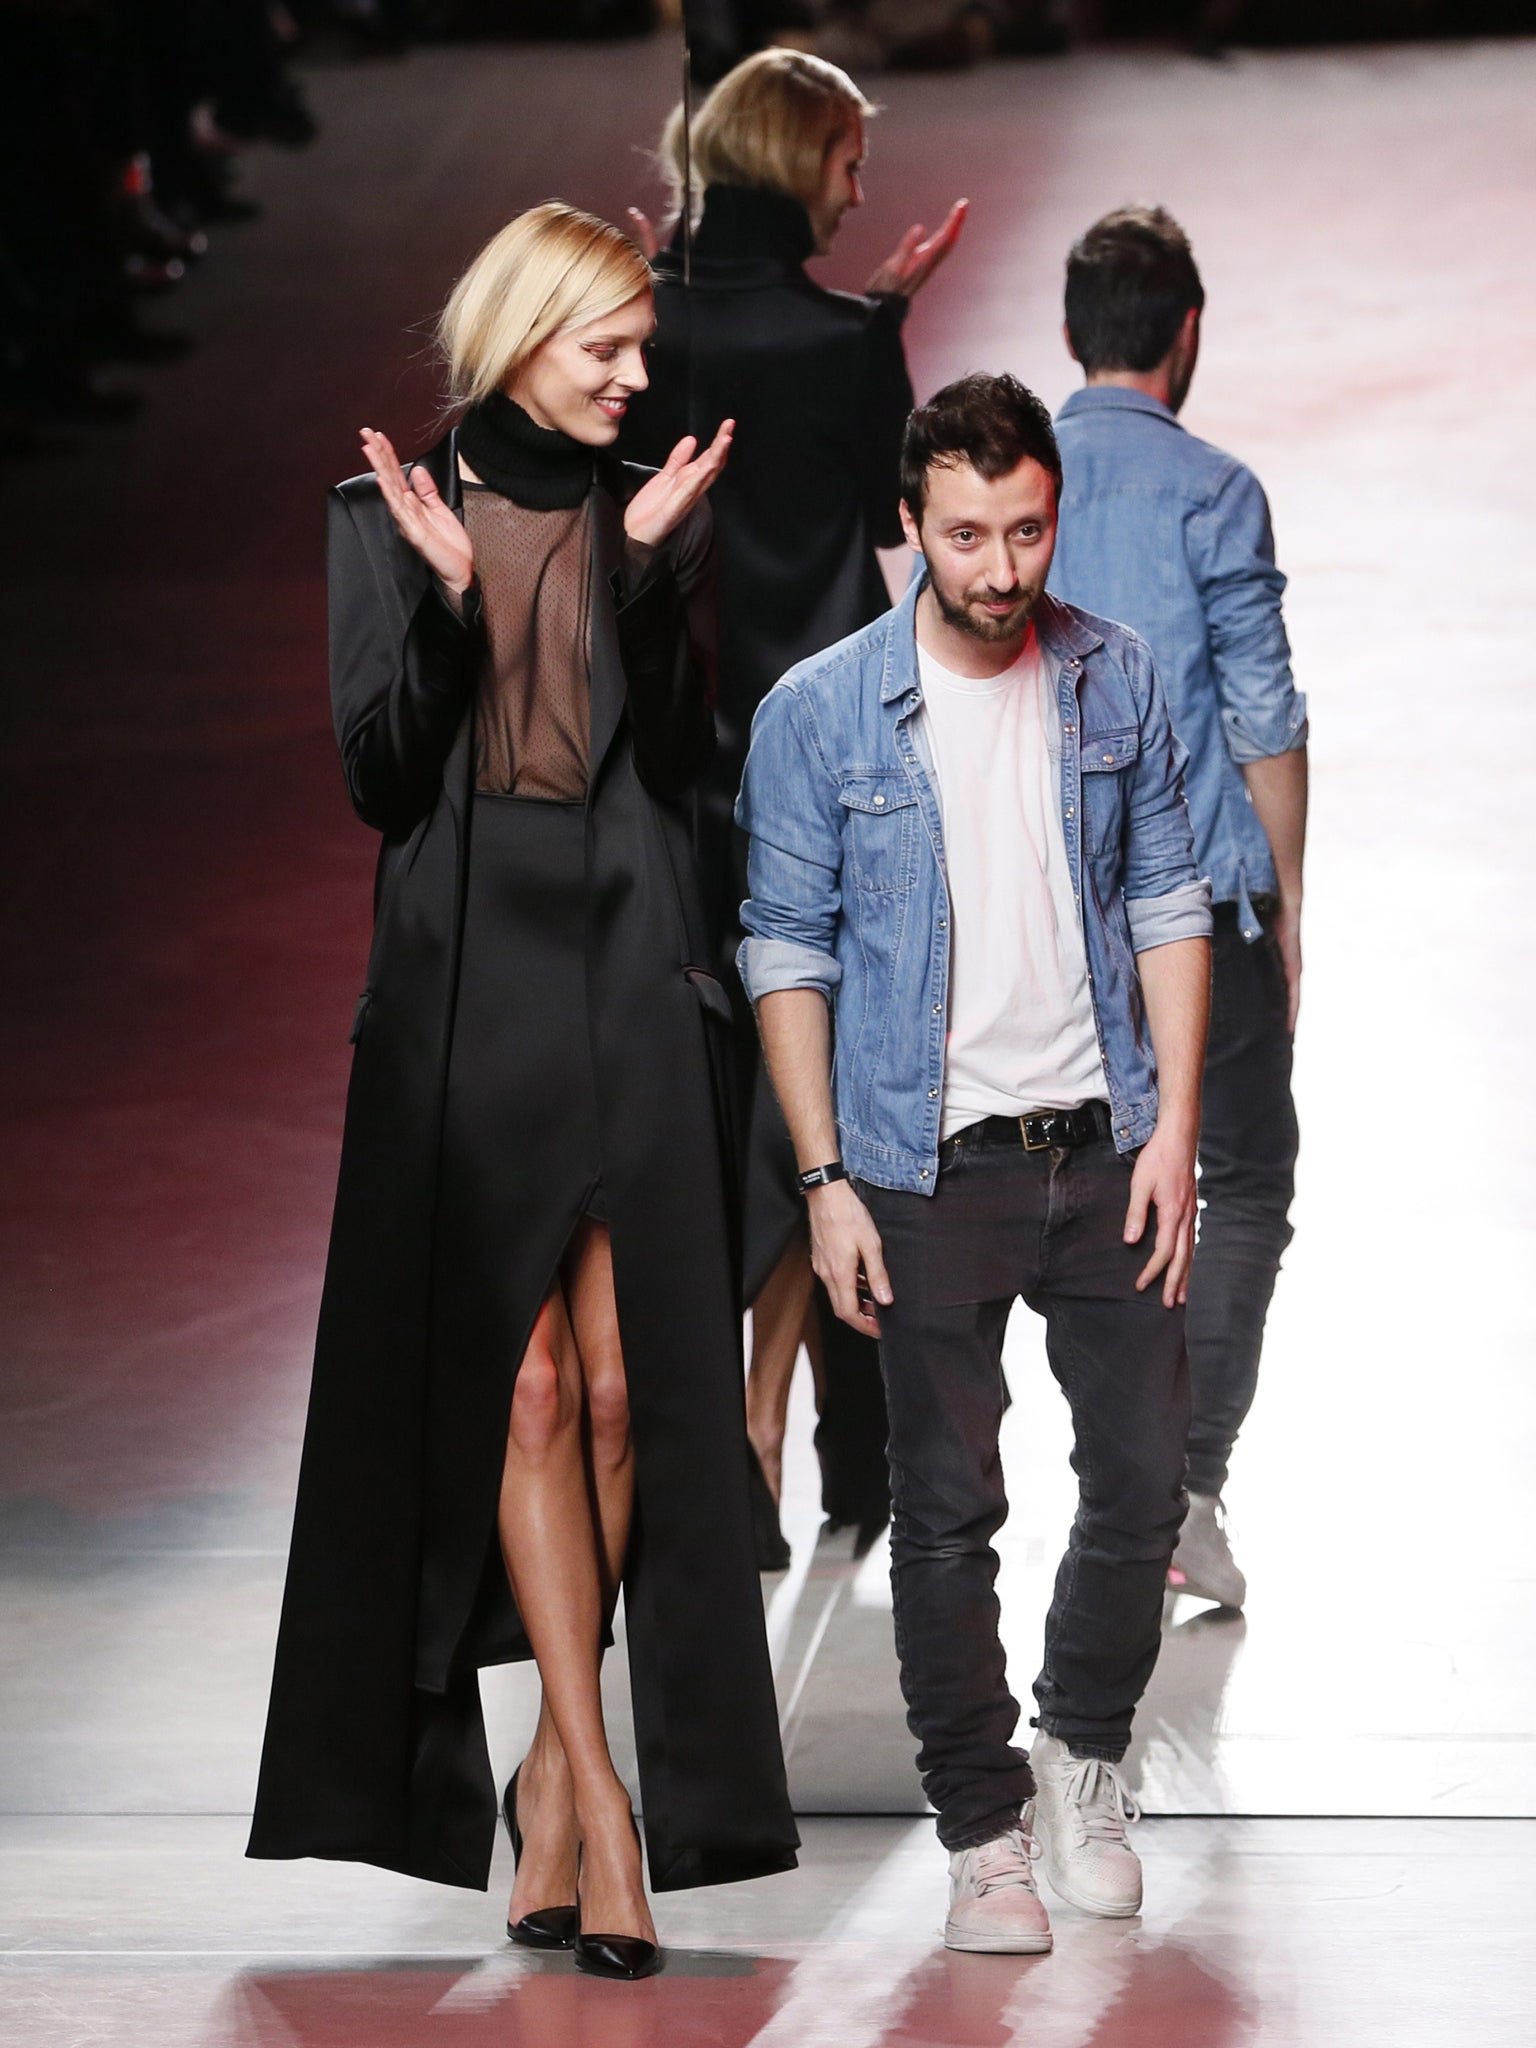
<point x="980" y="625"/>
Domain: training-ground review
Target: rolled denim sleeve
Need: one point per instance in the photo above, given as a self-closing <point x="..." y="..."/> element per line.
<point x="1233" y="558"/>
<point x="1182" y="914"/>
<point x="1165" y="898"/>
<point x="789" y="808"/>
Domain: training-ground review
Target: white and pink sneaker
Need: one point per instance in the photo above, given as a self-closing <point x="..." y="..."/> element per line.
<point x="994" y="1908"/>
<point x="1081" y="1809"/>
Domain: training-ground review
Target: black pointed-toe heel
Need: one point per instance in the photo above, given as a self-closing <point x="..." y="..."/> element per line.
<point x="617" y="1955"/>
<point x="625" y="1956"/>
<point x="550" y="1926"/>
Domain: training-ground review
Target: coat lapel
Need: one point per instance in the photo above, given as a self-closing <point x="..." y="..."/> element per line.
<point x="441" y="462"/>
<point x="608" y="686"/>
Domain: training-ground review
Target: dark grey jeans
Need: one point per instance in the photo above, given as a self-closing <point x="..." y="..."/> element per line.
<point x="1248" y="1144"/>
<point x="1004" y="1223"/>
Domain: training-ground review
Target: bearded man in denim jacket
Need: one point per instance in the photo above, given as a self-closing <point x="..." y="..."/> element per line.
<point x="970" y="851"/>
<point x="1172" y="536"/>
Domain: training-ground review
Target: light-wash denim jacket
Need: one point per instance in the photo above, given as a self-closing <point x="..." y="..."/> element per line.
<point x="1171" y="536"/>
<point x="847" y="876"/>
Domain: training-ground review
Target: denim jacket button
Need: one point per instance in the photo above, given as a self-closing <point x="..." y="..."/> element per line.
<point x="922" y="1173"/>
<point x="880" y="800"/>
<point x="933" y="1094"/>
<point x="938" y="1009"/>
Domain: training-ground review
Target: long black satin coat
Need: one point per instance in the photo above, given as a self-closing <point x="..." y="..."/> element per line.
<point x="376" y="1751"/>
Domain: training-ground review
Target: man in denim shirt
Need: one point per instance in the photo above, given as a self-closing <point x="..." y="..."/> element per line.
<point x="969" y="844"/>
<point x="1172" y="537"/>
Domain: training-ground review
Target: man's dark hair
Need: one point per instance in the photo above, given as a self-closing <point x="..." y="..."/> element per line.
<point x="990" y="422"/>
<point x="1130" y="281"/>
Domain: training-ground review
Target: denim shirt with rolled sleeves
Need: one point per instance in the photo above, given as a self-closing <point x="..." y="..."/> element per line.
<point x="846" y="869"/>
<point x="1172" y="536"/>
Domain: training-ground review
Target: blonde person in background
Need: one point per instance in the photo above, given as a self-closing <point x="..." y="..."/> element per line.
<point x="817" y="383"/>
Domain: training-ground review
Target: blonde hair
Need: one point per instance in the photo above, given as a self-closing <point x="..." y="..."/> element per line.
<point x="770" y="123"/>
<point x="553" y="267"/>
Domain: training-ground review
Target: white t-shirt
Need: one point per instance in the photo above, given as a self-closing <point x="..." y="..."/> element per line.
<point x="1021" y="1032"/>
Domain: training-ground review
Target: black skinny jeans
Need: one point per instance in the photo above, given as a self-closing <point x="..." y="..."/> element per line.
<point x="1248" y="1143"/>
<point x="1004" y="1223"/>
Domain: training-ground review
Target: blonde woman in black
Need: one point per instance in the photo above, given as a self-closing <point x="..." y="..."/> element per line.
<point x="527" y="1383"/>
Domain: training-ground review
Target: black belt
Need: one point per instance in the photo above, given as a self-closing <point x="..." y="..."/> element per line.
<point x="1040" y="1130"/>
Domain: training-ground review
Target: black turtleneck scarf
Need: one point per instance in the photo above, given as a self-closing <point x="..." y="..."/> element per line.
<point x="534" y="466"/>
<point x="743" y="222"/>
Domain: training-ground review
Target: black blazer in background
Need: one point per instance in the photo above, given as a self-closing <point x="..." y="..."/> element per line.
<point x="817" y="383"/>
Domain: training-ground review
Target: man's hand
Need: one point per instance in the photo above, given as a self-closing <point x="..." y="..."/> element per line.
<point x="796" y="1029"/>
<point x="1277" y="788"/>
<point x="913" y="261"/>
<point x="844" y="1243"/>
<point x="1286" y="927"/>
<point x="1164" y="1180"/>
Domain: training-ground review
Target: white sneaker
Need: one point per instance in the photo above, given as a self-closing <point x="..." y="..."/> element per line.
<point x="1080" y="1811"/>
<point x="1204" y="1556"/>
<point x="994" y="1908"/>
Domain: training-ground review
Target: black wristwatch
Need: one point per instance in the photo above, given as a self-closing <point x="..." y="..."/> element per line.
<point x="820" y="1176"/>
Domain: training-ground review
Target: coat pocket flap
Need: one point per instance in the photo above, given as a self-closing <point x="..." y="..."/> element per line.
<point x="710" y="992"/>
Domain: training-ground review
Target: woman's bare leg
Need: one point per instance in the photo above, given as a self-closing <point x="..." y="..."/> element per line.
<point x="587" y="1276"/>
<point x="537" y="1498"/>
<point x="610" y="1853"/>
<point x="778" y="1317"/>
<point x="550" y="1544"/>
<point x="609" y="1451"/>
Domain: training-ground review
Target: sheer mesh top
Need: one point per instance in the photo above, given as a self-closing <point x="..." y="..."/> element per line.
<point x="533" y="709"/>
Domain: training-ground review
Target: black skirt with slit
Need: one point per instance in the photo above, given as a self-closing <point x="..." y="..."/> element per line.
<point x="521" y="1164"/>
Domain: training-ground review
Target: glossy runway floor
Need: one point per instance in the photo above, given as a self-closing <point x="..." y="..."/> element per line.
<point x="186" y="924"/>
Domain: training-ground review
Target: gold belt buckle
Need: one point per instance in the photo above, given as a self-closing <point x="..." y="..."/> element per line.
<point x="1032" y="1144"/>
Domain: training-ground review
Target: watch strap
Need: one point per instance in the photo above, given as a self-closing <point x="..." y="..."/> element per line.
<point x="820" y="1176"/>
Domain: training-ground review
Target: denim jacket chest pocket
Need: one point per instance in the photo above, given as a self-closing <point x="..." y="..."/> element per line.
<point x="880" y="825"/>
<point x="1108" y="766"/>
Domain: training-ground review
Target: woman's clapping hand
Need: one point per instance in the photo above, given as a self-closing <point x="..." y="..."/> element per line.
<point x="422" y="514"/>
<point x="664" y="500"/>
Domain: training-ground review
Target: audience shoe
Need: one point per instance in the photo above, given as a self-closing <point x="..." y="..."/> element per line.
<point x="1203" y="1563"/>
<point x="768" y="1540"/>
<point x="865" y="1532"/>
<point x="1079" y="1811"/>
<point x="994" y="1908"/>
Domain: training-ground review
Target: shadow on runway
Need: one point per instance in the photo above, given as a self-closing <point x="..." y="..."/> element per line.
<point x="846" y="1741"/>
<point x="1174" y="1764"/>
